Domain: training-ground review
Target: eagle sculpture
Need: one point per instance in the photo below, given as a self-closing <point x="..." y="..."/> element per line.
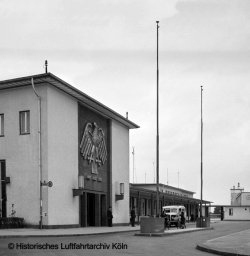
<point x="92" y="146"/>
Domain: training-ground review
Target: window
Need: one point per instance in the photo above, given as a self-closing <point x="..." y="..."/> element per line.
<point x="2" y="125"/>
<point x="231" y="211"/>
<point x="24" y="122"/>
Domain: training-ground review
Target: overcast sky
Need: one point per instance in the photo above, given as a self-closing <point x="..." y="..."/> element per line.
<point x="107" y="49"/>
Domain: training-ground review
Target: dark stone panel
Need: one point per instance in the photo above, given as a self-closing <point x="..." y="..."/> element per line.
<point x="85" y="116"/>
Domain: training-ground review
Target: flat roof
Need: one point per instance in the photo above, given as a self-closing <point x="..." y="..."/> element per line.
<point x="160" y="184"/>
<point x="183" y="198"/>
<point x="83" y="98"/>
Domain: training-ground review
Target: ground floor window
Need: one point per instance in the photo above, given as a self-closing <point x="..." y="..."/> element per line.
<point x="230" y="211"/>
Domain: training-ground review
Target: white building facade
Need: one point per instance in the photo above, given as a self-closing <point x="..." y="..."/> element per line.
<point x="240" y="205"/>
<point x="42" y="128"/>
<point x="237" y="213"/>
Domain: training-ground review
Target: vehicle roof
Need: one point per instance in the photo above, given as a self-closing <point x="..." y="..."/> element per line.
<point x="172" y="206"/>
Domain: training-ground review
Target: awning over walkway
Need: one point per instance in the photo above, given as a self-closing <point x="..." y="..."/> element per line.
<point x="148" y="194"/>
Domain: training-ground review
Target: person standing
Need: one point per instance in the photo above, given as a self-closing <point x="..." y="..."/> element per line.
<point x="192" y="217"/>
<point x="110" y="216"/>
<point x="132" y="214"/>
<point x="183" y="220"/>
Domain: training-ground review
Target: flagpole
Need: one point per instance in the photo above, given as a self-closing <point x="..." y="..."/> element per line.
<point x="157" y="136"/>
<point x="201" y="159"/>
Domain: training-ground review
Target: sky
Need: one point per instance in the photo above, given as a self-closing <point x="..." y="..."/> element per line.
<point x="107" y="49"/>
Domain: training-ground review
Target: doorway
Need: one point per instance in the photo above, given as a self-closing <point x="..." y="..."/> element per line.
<point x="3" y="196"/>
<point x="90" y="209"/>
<point x="93" y="210"/>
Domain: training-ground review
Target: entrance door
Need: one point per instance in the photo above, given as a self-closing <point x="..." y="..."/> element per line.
<point x="2" y="189"/>
<point x="93" y="210"/>
<point x="90" y="209"/>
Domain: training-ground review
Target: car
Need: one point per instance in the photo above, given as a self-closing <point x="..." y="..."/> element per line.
<point x="173" y="212"/>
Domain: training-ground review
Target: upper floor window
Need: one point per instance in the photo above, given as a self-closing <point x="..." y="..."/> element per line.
<point x="24" y="122"/>
<point x="1" y="124"/>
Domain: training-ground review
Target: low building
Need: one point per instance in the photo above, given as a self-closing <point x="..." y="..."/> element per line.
<point x="143" y="198"/>
<point x="240" y="205"/>
<point x="237" y="212"/>
<point x="64" y="157"/>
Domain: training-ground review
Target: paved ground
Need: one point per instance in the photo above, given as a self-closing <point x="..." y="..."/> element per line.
<point x="234" y="244"/>
<point x="123" y="242"/>
<point x="25" y="232"/>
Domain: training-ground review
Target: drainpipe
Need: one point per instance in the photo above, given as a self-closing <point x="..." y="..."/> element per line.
<point x="39" y="155"/>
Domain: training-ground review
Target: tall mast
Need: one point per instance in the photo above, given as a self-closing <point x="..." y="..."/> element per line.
<point x="201" y="158"/>
<point x="157" y="136"/>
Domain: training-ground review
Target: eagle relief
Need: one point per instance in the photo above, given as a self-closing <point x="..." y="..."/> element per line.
<point x="92" y="146"/>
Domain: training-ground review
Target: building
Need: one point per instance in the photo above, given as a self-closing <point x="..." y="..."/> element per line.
<point x="64" y="156"/>
<point x="236" y="213"/>
<point x="143" y="198"/>
<point x="235" y="194"/>
<point x="240" y="205"/>
<point x="239" y="197"/>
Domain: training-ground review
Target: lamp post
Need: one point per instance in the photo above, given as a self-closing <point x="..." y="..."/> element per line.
<point x="157" y="135"/>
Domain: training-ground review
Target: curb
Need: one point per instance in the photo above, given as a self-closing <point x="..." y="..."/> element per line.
<point x="171" y="234"/>
<point x="66" y="235"/>
<point x="210" y="250"/>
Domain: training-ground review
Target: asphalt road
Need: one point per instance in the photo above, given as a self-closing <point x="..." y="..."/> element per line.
<point x="120" y="244"/>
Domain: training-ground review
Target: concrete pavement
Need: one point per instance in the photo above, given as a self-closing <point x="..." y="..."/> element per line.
<point x="234" y="244"/>
<point x="86" y="231"/>
<point x="174" y="231"/>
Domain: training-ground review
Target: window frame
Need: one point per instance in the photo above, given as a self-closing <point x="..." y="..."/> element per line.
<point x="231" y="211"/>
<point x="1" y="125"/>
<point x="27" y="123"/>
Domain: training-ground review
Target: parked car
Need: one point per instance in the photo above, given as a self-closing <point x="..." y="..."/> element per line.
<point x="173" y="212"/>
